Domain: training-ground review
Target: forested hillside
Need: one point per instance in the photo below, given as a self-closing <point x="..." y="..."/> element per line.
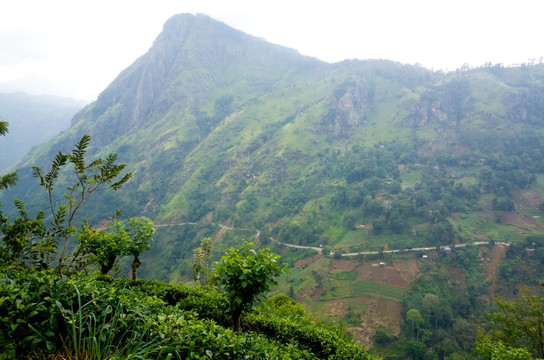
<point x="231" y="137"/>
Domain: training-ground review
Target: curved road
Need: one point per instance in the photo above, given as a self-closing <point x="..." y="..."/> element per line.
<point x="320" y="250"/>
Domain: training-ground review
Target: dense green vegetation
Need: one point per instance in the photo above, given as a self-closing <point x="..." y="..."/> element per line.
<point x="299" y="149"/>
<point x="68" y="310"/>
<point x="443" y="307"/>
<point x="515" y="330"/>
<point x="246" y="275"/>
<point x="101" y="317"/>
<point x="229" y="137"/>
<point x="523" y="264"/>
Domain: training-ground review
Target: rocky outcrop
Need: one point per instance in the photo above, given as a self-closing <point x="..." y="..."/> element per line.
<point x="436" y="111"/>
<point x="348" y="107"/>
<point x="444" y="105"/>
<point x="191" y="57"/>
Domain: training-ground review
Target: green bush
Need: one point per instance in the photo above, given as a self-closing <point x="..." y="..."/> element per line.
<point x="29" y="315"/>
<point x="320" y="341"/>
<point x="208" y="303"/>
<point x="283" y="305"/>
<point x="42" y="312"/>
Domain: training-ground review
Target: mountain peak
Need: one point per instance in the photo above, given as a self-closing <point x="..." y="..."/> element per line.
<point x="191" y="56"/>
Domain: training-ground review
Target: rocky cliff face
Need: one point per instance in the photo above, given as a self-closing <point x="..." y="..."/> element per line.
<point x="348" y="107"/>
<point x="128" y="100"/>
<point x="436" y="111"/>
<point x="190" y="58"/>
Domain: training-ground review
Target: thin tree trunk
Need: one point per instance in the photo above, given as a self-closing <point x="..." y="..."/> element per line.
<point x="135" y="265"/>
<point x="105" y="269"/>
<point x="236" y="314"/>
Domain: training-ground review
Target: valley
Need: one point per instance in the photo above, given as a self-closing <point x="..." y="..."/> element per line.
<point x="387" y="189"/>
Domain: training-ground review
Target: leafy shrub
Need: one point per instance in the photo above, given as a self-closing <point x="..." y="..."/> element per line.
<point x="102" y="317"/>
<point x="283" y="305"/>
<point x="320" y="341"/>
<point x="197" y="339"/>
<point x="208" y="303"/>
<point x="29" y="317"/>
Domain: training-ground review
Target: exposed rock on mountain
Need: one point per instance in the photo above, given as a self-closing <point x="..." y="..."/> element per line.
<point x="347" y="109"/>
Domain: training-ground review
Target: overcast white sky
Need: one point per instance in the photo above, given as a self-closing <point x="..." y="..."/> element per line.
<point x="76" y="48"/>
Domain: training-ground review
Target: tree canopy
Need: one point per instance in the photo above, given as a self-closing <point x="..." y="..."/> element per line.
<point x="517" y="330"/>
<point x="10" y="179"/>
<point x="246" y="274"/>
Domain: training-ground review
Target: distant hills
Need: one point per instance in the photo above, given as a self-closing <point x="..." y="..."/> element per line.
<point x="32" y="120"/>
<point x="221" y="127"/>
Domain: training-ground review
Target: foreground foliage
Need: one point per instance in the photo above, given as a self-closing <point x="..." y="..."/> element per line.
<point x="246" y="275"/>
<point x="516" y="331"/>
<point x="42" y="312"/>
<point x="34" y="243"/>
<point x="10" y="179"/>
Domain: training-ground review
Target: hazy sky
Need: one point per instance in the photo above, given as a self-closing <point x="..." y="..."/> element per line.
<point x="76" y="48"/>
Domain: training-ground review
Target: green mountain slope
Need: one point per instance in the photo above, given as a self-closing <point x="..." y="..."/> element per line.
<point x="222" y="127"/>
<point x="231" y="137"/>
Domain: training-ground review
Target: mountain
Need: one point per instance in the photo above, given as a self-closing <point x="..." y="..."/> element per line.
<point x="231" y="137"/>
<point x="32" y="119"/>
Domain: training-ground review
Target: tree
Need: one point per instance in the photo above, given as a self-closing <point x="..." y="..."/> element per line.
<point x="415" y="349"/>
<point x="35" y="244"/>
<point x="11" y="178"/>
<point x="201" y="258"/>
<point x="104" y="245"/>
<point x="3" y="127"/>
<point x="518" y="325"/>
<point x="245" y="275"/>
<point x="140" y="232"/>
<point x="413" y="317"/>
<point x="131" y="237"/>
<point x="25" y="241"/>
<point x="431" y="305"/>
<point x="496" y="350"/>
<point x="90" y="177"/>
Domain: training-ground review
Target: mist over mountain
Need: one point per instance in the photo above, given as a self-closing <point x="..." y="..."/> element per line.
<point x="32" y="119"/>
<point x="224" y="130"/>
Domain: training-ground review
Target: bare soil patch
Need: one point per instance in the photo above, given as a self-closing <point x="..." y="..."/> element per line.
<point x="340" y="265"/>
<point x="528" y="199"/>
<point x="207" y="218"/>
<point x="316" y="292"/>
<point x="308" y="293"/>
<point x="458" y="278"/>
<point x="220" y="233"/>
<point x="338" y="307"/>
<point x="513" y="218"/>
<point x="303" y="263"/>
<point x="400" y="274"/>
<point x="491" y="260"/>
<point x="380" y="312"/>
<point x="375" y="311"/>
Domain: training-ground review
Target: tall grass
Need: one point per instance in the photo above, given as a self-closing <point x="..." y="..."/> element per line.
<point x="97" y="330"/>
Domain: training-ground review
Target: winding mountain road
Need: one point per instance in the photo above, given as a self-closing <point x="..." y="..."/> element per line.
<point x="320" y="250"/>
